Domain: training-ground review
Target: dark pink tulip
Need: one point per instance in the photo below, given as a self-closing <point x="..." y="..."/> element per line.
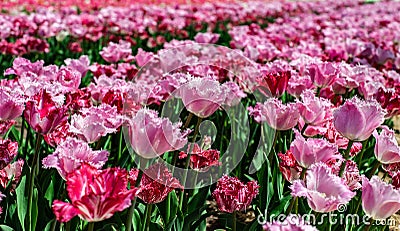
<point x="155" y="184"/>
<point x="8" y="150"/>
<point x="232" y="195"/>
<point x="274" y="83"/>
<point x="59" y="134"/>
<point x="289" y="167"/>
<point x="356" y="119"/>
<point x="43" y="114"/>
<point x="202" y="160"/>
<point x="5" y="126"/>
<point x="12" y="172"/>
<point x="95" y="195"/>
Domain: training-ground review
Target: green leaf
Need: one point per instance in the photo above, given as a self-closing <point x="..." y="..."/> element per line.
<point x="192" y="217"/>
<point x="49" y="224"/>
<point x="22" y="201"/>
<point x="172" y="207"/>
<point x="49" y="195"/>
<point x="6" y="228"/>
<point x="282" y="206"/>
<point x="198" y="199"/>
<point x="35" y="209"/>
<point x="136" y="220"/>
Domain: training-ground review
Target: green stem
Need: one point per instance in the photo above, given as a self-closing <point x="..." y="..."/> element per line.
<point x="364" y="147"/>
<point x="234" y="221"/>
<point x="132" y="208"/>
<point x="358" y="205"/>
<point x="303" y="173"/>
<point x="271" y="152"/>
<point x="304" y="129"/>
<point x="186" y="125"/>
<point x="146" y="226"/>
<point x="292" y="203"/>
<point x="53" y="226"/>
<point x="34" y="170"/>
<point x="182" y="194"/>
<point x="21" y="138"/>
<point x="367" y="227"/>
<point x="68" y="226"/>
<point x="376" y="166"/>
<point x="121" y="137"/>
<point x="91" y="226"/>
<point x="295" y="200"/>
<point x="168" y="206"/>
<point x="346" y="157"/>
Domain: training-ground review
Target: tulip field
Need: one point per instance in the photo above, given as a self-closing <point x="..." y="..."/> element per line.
<point x="199" y="115"/>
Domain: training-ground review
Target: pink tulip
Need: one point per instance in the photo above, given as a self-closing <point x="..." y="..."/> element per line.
<point x="323" y="74"/>
<point x="151" y="136"/>
<point x="277" y="115"/>
<point x="95" y="122"/>
<point x="312" y="150"/>
<point x="324" y="191"/>
<point x="314" y="110"/>
<point x="69" y="78"/>
<point x="379" y="199"/>
<point x="21" y="65"/>
<point x="81" y="64"/>
<point x="70" y="155"/>
<point x="11" y="104"/>
<point x="206" y="37"/>
<point x="142" y="57"/>
<point x="202" y="96"/>
<point x="115" y="52"/>
<point x="232" y="195"/>
<point x="387" y="151"/>
<point x="106" y="195"/>
<point x="291" y="223"/>
<point x="356" y="119"/>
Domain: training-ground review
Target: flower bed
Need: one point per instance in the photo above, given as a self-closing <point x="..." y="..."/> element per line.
<point x="244" y="115"/>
